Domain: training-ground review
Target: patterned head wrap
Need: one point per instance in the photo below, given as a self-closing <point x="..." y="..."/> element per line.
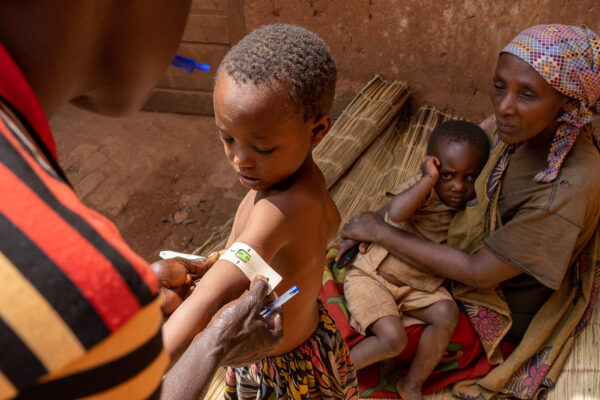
<point x="568" y="58"/>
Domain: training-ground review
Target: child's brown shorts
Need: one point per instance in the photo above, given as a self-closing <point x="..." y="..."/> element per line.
<point x="370" y="297"/>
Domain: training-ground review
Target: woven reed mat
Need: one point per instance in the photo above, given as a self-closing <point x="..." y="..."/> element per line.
<point x="389" y="160"/>
<point x="360" y="123"/>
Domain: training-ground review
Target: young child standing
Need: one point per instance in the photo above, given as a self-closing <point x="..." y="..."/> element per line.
<point x="385" y="294"/>
<point x="272" y="97"/>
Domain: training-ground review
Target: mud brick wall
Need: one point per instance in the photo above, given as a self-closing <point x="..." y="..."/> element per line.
<point x="445" y="49"/>
<point x="213" y="26"/>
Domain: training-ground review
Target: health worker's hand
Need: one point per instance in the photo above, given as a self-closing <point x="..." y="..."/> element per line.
<point x="245" y="336"/>
<point x="176" y="277"/>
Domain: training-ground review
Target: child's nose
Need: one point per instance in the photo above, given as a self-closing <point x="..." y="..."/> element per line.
<point x="242" y="158"/>
<point x="458" y="185"/>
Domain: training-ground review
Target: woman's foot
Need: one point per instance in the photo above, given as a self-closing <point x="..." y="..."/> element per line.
<point x="408" y="391"/>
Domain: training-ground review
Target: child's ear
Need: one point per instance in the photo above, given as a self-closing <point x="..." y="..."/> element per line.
<point x="321" y="126"/>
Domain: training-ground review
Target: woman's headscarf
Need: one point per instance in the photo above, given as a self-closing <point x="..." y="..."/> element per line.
<point x="568" y="58"/>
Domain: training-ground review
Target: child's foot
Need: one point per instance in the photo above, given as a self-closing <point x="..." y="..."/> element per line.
<point x="408" y="391"/>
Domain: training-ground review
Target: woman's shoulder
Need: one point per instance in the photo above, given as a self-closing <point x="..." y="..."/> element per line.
<point x="583" y="163"/>
<point x="576" y="191"/>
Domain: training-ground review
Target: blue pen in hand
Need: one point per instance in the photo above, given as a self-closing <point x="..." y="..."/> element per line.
<point x="188" y="65"/>
<point x="281" y="300"/>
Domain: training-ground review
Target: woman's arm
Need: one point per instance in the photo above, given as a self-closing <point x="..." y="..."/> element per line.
<point x="480" y="270"/>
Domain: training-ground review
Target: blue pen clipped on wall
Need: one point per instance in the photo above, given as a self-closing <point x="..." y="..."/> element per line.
<point x="188" y="65"/>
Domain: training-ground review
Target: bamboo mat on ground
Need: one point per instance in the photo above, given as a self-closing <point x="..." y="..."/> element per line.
<point x="360" y="123"/>
<point x="216" y="389"/>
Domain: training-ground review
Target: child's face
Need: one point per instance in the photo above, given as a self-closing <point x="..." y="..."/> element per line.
<point x="265" y="140"/>
<point x="460" y="164"/>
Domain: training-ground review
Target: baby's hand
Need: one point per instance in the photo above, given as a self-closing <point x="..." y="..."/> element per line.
<point x="429" y="166"/>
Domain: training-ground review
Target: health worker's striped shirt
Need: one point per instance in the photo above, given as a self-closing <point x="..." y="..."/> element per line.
<point x="79" y="312"/>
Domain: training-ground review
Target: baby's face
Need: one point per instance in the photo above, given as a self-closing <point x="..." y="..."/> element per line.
<point x="460" y="164"/>
<point x="264" y="140"/>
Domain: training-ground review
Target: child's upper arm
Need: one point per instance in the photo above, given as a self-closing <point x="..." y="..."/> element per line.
<point x="405" y="203"/>
<point x="266" y="232"/>
<point x="267" y="229"/>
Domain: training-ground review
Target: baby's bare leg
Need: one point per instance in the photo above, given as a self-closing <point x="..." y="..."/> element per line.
<point x="388" y="340"/>
<point x="441" y="318"/>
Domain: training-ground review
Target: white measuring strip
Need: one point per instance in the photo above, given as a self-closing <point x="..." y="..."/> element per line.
<point x="250" y="263"/>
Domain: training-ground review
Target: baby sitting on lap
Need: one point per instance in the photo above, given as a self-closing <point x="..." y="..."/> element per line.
<point x="383" y="293"/>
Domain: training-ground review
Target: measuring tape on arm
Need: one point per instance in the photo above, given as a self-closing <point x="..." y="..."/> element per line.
<point x="251" y="263"/>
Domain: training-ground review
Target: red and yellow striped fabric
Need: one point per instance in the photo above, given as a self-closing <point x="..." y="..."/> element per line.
<point x="79" y="313"/>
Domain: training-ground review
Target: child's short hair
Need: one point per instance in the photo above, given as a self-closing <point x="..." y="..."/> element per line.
<point x="281" y="52"/>
<point x="459" y="131"/>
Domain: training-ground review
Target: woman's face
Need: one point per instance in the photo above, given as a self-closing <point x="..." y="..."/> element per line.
<point x="526" y="106"/>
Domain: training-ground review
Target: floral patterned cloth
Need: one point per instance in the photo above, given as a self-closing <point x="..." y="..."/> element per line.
<point x="464" y="357"/>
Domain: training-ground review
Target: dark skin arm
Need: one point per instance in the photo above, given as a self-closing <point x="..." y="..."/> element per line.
<point x="404" y="204"/>
<point x="237" y="335"/>
<point x="480" y="270"/>
<point x="176" y="277"/>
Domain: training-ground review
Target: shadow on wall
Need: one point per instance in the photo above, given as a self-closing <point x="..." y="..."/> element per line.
<point x="446" y="51"/>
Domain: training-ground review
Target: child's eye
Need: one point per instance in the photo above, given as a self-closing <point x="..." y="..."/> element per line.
<point x="445" y="175"/>
<point x="471" y="178"/>
<point x="225" y="140"/>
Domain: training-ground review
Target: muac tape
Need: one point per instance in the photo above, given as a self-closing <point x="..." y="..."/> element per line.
<point x="250" y="263"/>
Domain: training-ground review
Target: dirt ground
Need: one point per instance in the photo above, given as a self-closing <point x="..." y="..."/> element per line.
<point x="161" y="178"/>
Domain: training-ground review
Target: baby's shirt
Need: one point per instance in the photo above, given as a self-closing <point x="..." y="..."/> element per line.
<point x="430" y="221"/>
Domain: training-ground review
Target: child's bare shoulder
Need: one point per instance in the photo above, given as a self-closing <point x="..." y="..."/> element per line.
<point x="294" y="202"/>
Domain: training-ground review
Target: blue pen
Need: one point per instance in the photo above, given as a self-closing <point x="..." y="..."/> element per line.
<point x="188" y="65"/>
<point x="281" y="300"/>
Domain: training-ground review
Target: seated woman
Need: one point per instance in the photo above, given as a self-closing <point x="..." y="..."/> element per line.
<point x="524" y="255"/>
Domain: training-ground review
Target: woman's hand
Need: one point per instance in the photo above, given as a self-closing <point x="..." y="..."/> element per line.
<point x="429" y="166"/>
<point x="176" y="277"/>
<point x="363" y="227"/>
<point x="344" y="246"/>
